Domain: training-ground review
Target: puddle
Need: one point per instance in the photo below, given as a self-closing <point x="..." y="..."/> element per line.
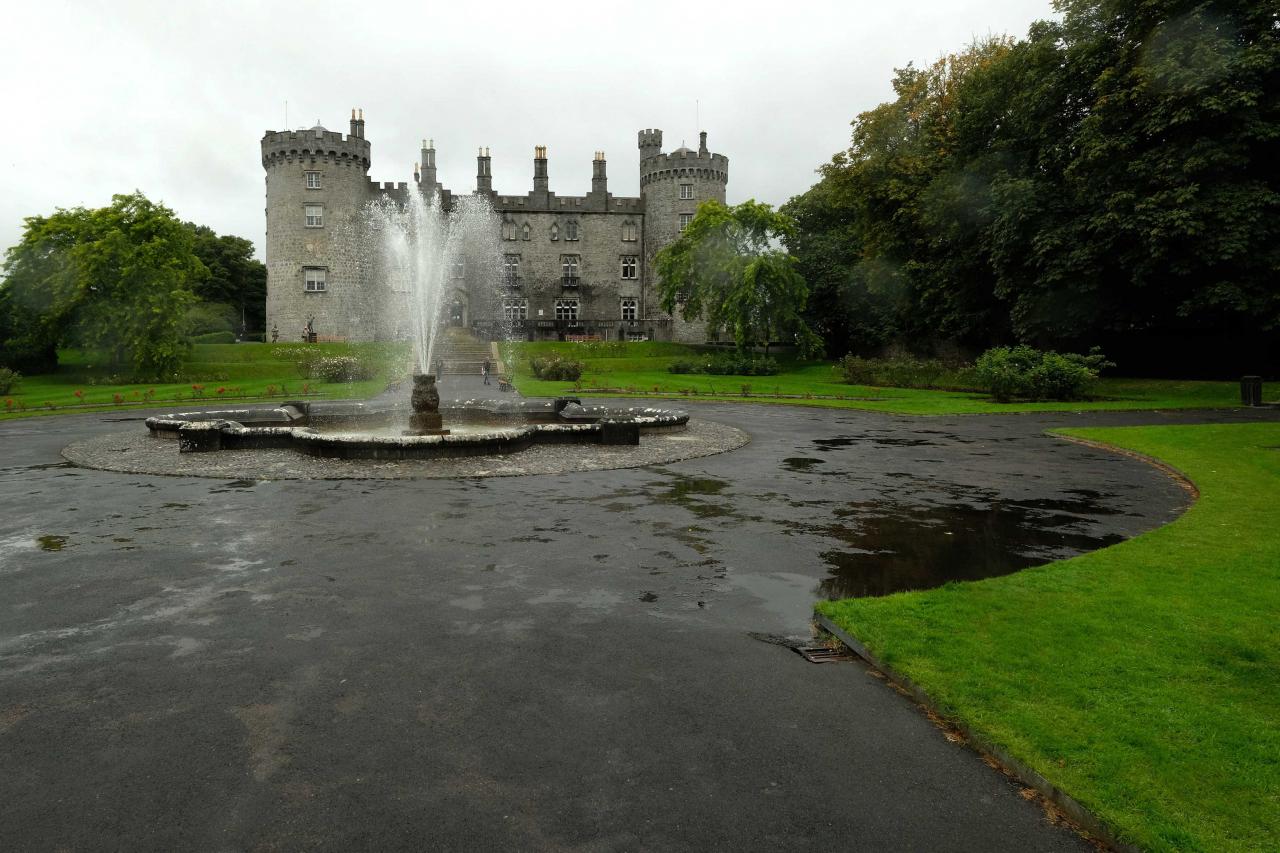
<point x="686" y="492"/>
<point x="800" y="463"/>
<point x="891" y="548"/>
<point x="51" y="543"/>
<point x="826" y="444"/>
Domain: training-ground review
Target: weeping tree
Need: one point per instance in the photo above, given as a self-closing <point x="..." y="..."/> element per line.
<point x="727" y="268"/>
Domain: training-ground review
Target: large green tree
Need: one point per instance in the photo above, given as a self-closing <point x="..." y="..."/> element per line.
<point x="234" y="277"/>
<point x="1108" y="179"/>
<point x="726" y="268"/>
<point x="116" y="279"/>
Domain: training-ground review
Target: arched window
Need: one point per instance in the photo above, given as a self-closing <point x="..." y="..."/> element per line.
<point x="524" y="231"/>
<point x="571" y="230"/>
<point x="555" y="231"/>
<point x="630" y="233"/>
<point x="508" y="229"/>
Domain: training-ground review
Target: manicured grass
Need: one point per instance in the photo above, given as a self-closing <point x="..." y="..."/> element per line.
<point x="642" y="371"/>
<point x="244" y="372"/>
<point x="1143" y="679"/>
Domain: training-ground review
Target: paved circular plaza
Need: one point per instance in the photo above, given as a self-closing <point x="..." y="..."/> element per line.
<point x="564" y="660"/>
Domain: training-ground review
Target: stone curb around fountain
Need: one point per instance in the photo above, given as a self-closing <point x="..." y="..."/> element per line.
<point x="138" y="452"/>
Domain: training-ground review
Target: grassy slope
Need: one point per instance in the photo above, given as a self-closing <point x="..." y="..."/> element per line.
<point x="1143" y="679"/>
<point x="644" y="370"/>
<point x="252" y="368"/>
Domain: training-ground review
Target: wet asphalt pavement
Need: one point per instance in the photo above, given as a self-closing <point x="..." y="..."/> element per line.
<point x="542" y="662"/>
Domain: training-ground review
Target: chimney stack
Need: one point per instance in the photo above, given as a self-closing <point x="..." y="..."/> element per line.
<point x="429" y="164"/>
<point x="355" y="126"/>
<point x="484" y="175"/>
<point x="540" y="168"/>
<point x="358" y="124"/>
<point x="702" y="143"/>
<point x="599" y="179"/>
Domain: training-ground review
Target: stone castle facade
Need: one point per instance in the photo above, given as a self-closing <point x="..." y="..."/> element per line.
<point x="567" y="265"/>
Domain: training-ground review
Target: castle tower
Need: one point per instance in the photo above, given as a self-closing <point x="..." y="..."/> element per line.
<point x="316" y="183"/>
<point x="672" y="186"/>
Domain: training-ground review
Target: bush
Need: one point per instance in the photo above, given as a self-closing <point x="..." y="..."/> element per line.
<point x="556" y="368"/>
<point x="8" y="379"/>
<point x="205" y="317"/>
<point x="341" y="368"/>
<point x="1026" y="373"/>
<point x="729" y="364"/>
<point x="907" y="371"/>
<point x="214" y="338"/>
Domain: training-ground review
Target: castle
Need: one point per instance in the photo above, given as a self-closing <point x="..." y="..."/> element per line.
<point x="569" y="265"/>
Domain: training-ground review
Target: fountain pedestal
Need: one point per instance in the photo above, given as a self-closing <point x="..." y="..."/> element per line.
<point x="425" y="402"/>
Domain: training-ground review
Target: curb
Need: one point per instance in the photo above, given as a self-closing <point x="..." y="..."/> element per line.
<point x="1068" y="805"/>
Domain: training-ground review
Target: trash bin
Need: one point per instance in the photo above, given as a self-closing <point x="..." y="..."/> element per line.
<point x="1251" y="390"/>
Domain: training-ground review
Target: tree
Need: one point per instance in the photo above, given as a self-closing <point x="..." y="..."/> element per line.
<point x="116" y="279"/>
<point x="725" y="268"/>
<point x="1108" y="180"/>
<point x="234" y="277"/>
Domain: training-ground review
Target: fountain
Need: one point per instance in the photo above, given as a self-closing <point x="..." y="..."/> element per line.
<point x="417" y="246"/>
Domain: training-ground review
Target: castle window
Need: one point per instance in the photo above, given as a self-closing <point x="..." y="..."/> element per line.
<point x="313" y="180"/>
<point x="685" y="219"/>
<point x="630" y="309"/>
<point x="511" y="270"/>
<point x="555" y="231"/>
<point x="629" y="231"/>
<point x="315" y="215"/>
<point x="568" y="269"/>
<point x="686" y="191"/>
<point x="459" y="269"/>
<point x="629" y="266"/>
<point x="571" y="230"/>
<point x="524" y="232"/>
<point x="567" y="309"/>
<point x="313" y="280"/>
<point x="515" y="309"/>
<point x="508" y="229"/>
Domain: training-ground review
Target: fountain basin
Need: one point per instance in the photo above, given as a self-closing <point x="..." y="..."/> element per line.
<point x="362" y="431"/>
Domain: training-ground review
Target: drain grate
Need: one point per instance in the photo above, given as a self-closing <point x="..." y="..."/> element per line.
<point x="822" y="654"/>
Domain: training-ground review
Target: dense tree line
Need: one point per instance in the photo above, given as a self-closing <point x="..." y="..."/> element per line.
<point x="130" y="280"/>
<point x="1111" y="179"/>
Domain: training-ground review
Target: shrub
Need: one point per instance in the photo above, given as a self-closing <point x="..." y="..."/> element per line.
<point x="8" y="379"/>
<point x="907" y="371"/>
<point x="728" y="364"/>
<point x="214" y="338"/>
<point x="304" y="359"/>
<point x="205" y="317"/>
<point x="556" y="368"/>
<point x="341" y="368"/>
<point x="1026" y="373"/>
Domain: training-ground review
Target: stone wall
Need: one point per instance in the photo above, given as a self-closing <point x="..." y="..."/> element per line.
<point x="661" y="176"/>
<point x="354" y="303"/>
<point x="345" y="308"/>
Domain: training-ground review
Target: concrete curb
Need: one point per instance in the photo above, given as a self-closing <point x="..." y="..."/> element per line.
<point x="1173" y="473"/>
<point x="1068" y="805"/>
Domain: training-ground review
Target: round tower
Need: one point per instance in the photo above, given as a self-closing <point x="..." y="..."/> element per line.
<point x="672" y="186"/>
<point x="316" y="183"/>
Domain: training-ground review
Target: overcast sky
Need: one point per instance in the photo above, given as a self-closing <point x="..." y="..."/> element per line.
<point x="172" y="98"/>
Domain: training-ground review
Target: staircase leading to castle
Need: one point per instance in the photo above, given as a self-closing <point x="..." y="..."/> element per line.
<point x="457" y="351"/>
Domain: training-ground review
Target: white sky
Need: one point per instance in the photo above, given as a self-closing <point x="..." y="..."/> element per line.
<point x="173" y="97"/>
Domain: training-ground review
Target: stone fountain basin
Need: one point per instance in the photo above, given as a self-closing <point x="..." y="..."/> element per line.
<point x="348" y="430"/>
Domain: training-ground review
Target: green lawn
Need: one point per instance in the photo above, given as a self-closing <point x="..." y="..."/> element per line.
<point x="1143" y="679"/>
<point x="642" y="371"/>
<point x="235" y="373"/>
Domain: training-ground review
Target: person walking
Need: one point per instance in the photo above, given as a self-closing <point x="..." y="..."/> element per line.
<point x="484" y="371"/>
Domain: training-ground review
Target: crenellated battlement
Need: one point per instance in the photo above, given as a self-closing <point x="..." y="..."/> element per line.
<point x="683" y="163"/>
<point x="289" y="146"/>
